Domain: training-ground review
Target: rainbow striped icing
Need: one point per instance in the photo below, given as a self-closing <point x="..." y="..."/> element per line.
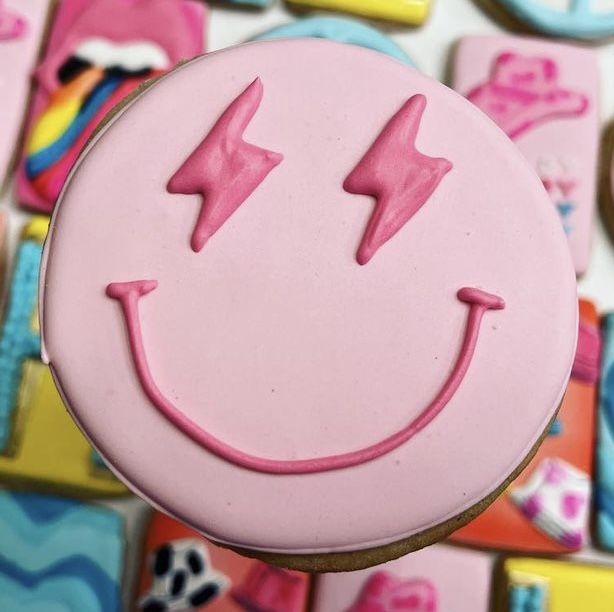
<point x="59" y="555"/>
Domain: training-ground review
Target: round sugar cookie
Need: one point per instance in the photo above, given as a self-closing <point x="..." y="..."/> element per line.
<point x="320" y="310"/>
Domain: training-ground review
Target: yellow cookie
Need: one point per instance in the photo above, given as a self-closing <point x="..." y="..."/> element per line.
<point x="413" y="12"/>
<point x="558" y="586"/>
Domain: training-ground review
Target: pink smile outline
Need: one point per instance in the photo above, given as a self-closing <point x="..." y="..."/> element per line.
<point x="129" y="293"/>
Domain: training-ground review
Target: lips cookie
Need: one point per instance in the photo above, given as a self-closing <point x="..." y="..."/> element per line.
<point x="305" y="290"/>
<point x="99" y="51"/>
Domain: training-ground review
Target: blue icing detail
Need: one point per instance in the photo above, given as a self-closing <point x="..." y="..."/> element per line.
<point x="530" y="598"/>
<point x="341" y="30"/>
<point x="56" y="555"/>
<point x="556" y="429"/>
<point x="18" y="341"/>
<point x="40" y="509"/>
<point x="579" y="21"/>
<point x="97" y="460"/>
<point x="604" y="486"/>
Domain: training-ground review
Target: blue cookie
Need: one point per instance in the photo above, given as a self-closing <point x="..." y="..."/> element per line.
<point x="59" y="555"/>
<point x="341" y="30"/>
<point x="578" y="21"/>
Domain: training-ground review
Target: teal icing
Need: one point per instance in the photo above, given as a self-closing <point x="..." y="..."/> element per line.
<point x="527" y="598"/>
<point x="579" y="21"/>
<point x="342" y="30"/>
<point x="17" y="340"/>
<point x="59" y="555"/>
<point x="604" y="485"/>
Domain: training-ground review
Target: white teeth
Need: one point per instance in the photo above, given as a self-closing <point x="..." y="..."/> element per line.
<point x="132" y="57"/>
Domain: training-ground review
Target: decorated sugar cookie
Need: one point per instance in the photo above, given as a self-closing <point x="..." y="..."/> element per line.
<point x="300" y="316"/>
<point x="435" y="579"/>
<point x="22" y="23"/>
<point x="59" y="555"/>
<point x="584" y="19"/>
<point x="547" y="509"/>
<point x="180" y="570"/>
<point x="544" y="96"/>
<point x="414" y="12"/>
<point x="340" y="29"/>
<point x="99" y="51"/>
<point x="544" y="585"/>
<point x="604" y="486"/>
<point x="40" y="446"/>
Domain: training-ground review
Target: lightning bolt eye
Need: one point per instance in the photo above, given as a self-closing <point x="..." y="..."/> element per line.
<point x="224" y="169"/>
<point x="397" y="175"/>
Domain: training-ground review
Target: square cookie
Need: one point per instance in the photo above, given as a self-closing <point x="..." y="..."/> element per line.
<point x="22" y="24"/>
<point x="59" y="555"/>
<point x="546" y="510"/>
<point x="544" y="585"/>
<point x="180" y="570"/>
<point x="40" y="445"/>
<point x="439" y="577"/>
<point x="545" y="97"/>
<point x="413" y="13"/>
<point x="98" y="52"/>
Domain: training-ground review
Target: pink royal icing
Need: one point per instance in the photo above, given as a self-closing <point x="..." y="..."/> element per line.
<point x="397" y="175"/>
<point x="129" y="294"/>
<point x="274" y="341"/>
<point x="523" y="92"/>
<point x="225" y="169"/>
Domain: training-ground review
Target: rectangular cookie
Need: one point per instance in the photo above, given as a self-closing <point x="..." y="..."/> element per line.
<point x="99" y="51"/>
<point x="439" y="577"/>
<point x="545" y="97"/>
<point x="40" y="446"/>
<point x="59" y="554"/>
<point x="22" y="25"/>
<point x="546" y="509"/>
<point x="401" y="11"/>
<point x="545" y="585"/>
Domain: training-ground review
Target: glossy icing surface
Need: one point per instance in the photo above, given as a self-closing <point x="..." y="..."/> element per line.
<point x="59" y="555"/>
<point x="404" y="11"/>
<point x="98" y="52"/>
<point x="435" y="579"/>
<point x="349" y="31"/>
<point x="545" y="97"/>
<point x="579" y="20"/>
<point x="18" y="54"/>
<point x="275" y="339"/>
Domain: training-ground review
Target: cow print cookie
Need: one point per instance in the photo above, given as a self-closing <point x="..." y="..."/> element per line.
<point x="319" y="282"/>
<point x="182" y="571"/>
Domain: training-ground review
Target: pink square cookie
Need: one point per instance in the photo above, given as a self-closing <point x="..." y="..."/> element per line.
<point x="544" y="96"/>
<point x="434" y="579"/>
<point x="22" y="24"/>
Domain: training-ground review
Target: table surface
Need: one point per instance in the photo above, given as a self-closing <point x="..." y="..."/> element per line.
<point x="430" y="47"/>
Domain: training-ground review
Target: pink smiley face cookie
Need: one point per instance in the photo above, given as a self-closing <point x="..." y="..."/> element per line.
<point x="319" y="312"/>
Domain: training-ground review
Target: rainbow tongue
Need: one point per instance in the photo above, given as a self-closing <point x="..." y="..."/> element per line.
<point x="86" y="94"/>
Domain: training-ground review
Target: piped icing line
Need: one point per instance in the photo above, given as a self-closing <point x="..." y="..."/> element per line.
<point x="224" y="169"/>
<point x="129" y="293"/>
<point x="397" y="175"/>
